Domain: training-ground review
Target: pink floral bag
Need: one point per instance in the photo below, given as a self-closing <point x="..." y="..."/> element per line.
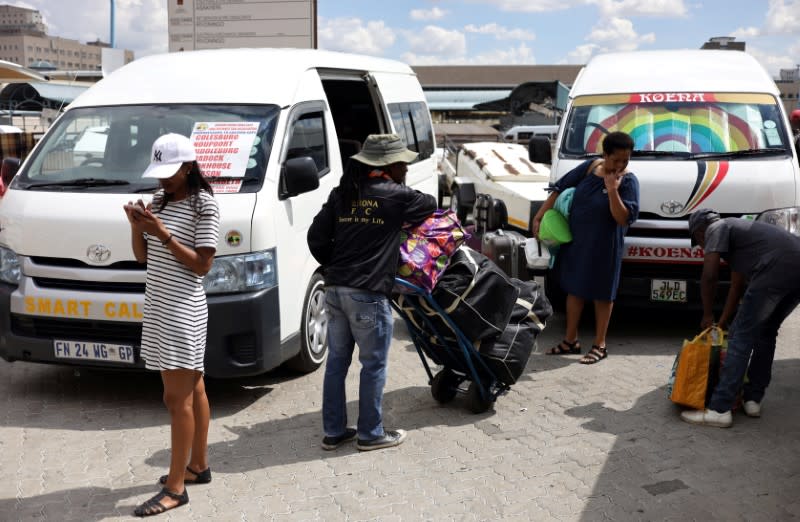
<point x="425" y="250"/>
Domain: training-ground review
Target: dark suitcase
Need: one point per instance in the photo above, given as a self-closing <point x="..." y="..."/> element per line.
<point x="507" y="249"/>
<point x="490" y="213"/>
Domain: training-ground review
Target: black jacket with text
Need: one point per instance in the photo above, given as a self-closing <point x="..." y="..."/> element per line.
<point x="360" y="247"/>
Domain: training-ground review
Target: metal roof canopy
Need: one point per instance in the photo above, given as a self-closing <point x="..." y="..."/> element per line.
<point x="461" y="99"/>
<point x="527" y="93"/>
<point x="12" y="72"/>
<point x="38" y="95"/>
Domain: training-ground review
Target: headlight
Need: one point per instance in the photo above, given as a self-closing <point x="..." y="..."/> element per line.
<point x="786" y="218"/>
<point x="245" y="273"/>
<point x="9" y="266"/>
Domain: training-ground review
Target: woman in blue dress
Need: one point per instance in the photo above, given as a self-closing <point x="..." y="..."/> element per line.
<point x="605" y="202"/>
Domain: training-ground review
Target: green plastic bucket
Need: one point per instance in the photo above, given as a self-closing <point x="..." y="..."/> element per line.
<point x="554" y="228"/>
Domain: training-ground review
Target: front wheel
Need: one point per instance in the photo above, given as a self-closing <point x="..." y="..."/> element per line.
<point x="313" y="329"/>
<point x="456" y="205"/>
<point x="444" y="386"/>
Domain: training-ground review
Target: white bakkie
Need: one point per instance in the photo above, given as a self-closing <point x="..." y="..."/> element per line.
<point x="709" y="130"/>
<point x="273" y="127"/>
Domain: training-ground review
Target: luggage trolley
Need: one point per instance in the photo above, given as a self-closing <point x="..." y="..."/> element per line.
<point x="460" y="360"/>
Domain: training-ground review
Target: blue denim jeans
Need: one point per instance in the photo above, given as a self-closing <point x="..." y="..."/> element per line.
<point x="356" y="317"/>
<point x="754" y="331"/>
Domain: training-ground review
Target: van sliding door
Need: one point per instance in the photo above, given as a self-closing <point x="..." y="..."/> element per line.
<point x="355" y="107"/>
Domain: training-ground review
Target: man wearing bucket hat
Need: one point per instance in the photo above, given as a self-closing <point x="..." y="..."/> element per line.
<point x="763" y="259"/>
<point x="355" y="237"/>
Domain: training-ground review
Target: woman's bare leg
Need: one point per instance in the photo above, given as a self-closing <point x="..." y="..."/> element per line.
<point x="179" y="388"/>
<point x="202" y="415"/>
<point x="602" y="317"/>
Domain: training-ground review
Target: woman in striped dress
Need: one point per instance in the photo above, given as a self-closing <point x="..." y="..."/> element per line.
<point x="177" y="236"/>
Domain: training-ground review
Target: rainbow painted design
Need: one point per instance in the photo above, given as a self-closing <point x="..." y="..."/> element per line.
<point x="705" y="128"/>
<point x="709" y="176"/>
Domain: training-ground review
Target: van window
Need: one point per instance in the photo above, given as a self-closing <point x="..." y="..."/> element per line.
<point x="308" y="139"/>
<point x="110" y="146"/>
<point x="523" y="133"/>
<point x="413" y="123"/>
<point x="690" y="123"/>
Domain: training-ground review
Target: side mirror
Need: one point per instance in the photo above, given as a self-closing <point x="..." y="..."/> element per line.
<point x="539" y="150"/>
<point x="299" y="175"/>
<point x="9" y="169"/>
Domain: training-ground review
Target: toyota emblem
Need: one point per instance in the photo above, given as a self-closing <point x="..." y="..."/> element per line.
<point x="98" y="253"/>
<point x="672" y="208"/>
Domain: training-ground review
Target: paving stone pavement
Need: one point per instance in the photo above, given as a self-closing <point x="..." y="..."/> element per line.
<point x="568" y="442"/>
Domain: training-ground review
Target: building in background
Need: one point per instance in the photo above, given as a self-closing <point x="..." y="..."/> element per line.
<point x="788" y="83"/>
<point x="24" y="40"/>
<point x="69" y="66"/>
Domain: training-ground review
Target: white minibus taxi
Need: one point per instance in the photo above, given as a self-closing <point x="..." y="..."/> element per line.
<point x="272" y="127"/>
<point x="709" y="130"/>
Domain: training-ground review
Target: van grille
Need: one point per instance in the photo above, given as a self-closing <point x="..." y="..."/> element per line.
<point x="64" y="262"/>
<point x="683" y="271"/>
<point x="89" y="286"/>
<point x="77" y="329"/>
<point x="672" y="228"/>
<point x="658" y="232"/>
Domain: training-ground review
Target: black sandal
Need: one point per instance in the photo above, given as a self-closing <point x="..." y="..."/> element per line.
<point x="203" y="477"/>
<point x="155" y="507"/>
<point x="595" y="355"/>
<point x="565" y="347"/>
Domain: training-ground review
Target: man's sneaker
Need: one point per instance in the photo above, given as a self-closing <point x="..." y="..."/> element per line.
<point x="331" y="443"/>
<point x="389" y="439"/>
<point x="708" y="418"/>
<point x="752" y="408"/>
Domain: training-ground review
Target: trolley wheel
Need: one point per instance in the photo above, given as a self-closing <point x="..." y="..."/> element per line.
<point x="444" y="386"/>
<point x="475" y="402"/>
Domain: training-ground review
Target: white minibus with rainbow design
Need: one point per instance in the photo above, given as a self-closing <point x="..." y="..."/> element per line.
<point x="709" y="131"/>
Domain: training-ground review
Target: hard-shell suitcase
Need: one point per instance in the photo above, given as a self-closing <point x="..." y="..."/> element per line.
<point x="507" y="249"/>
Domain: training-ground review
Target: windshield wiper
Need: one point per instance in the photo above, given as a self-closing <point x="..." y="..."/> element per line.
<point x="80" y="182"/>
<point x="771" y="151"/>
<point x="211" y="179"/>
<point x="660" y="153"/>
<point x="151" y="188"/>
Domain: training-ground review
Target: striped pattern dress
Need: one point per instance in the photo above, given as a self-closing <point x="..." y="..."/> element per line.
<point x="175" y="311"/>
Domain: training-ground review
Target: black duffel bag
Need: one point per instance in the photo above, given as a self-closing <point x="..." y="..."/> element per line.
<point x="476" y="294"/>
<point x="507" y="354"/>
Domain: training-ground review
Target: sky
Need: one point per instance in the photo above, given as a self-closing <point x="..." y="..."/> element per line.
<point x="425" y="32"/>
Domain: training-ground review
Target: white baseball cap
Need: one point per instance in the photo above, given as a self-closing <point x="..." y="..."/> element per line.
<point x="170" y="151"/>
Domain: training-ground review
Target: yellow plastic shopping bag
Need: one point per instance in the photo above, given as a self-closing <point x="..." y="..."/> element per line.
<point x="691" y="369"/>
